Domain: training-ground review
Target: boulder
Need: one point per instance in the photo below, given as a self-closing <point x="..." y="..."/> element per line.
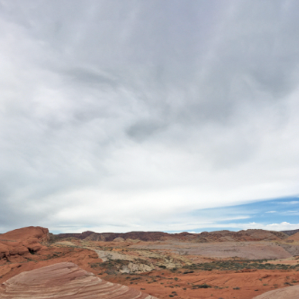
<point x="22" y="241"/>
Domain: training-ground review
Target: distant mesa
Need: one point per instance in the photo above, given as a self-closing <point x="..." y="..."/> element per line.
<point x="109" y="237"/>
<point x="216" y="236"/>
<point x="65" y="280"/>
<point x="31" y="239"/>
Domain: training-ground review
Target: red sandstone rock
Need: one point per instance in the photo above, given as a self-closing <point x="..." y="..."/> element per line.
<point x="22" y="241"/>
<point x="26" y="233"/>
<point x="65" y="280"/>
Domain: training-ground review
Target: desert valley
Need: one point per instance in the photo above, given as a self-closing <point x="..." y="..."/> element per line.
<point x="224" y="265"/>
<point x="131" y="131"/>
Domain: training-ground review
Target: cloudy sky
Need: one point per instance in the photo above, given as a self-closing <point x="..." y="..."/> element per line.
<point x="149" y="115"/>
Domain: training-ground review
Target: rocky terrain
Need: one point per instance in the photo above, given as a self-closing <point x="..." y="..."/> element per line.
<point x="223" y="264"/>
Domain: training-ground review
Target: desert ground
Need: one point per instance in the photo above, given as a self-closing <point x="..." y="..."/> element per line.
<point x="225" y="264"/>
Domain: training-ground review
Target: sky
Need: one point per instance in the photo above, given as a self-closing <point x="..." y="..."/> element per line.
<point x="132" y="115"/>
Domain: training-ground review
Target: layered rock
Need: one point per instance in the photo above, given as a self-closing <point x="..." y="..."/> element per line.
<point x="65" y="281"/>
<point x="283" y="293"/>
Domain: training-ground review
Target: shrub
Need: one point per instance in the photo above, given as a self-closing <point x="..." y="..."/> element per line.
<point x="201" y="286"/>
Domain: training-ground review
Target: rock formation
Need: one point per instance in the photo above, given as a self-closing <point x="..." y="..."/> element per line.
<point x="65" y="280"/>
<point x="283" y="293"/>
<point x="22" y="241"/>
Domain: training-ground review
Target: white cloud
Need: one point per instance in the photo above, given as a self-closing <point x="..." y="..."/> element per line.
<point x="294" y="202"/>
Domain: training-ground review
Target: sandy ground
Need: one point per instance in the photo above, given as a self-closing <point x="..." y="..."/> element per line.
<point x="223" y="284"/>
<point x="288" y="292"/>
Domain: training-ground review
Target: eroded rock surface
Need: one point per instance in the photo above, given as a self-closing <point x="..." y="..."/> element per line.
<point x="65" y="280"/>
<point x="111" y="255"/>
<point x="283" y="293"/>
<point x="22" y="241"/>
<point x="132" y="267"/>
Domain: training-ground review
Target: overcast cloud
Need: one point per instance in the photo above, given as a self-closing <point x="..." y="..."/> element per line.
<point x="128" y="115"/>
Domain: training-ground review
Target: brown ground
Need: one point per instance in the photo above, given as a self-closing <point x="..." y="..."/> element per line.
<point x="288" y="292"/>
<point x="169" y="268"/>
<point x="224" y="284"/>
<point x="294" y="237"/>
<point x="246" y="250"/>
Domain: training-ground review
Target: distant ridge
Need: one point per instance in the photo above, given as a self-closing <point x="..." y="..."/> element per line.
<point x="290" y="232"/>
<point x="216" y="236"/>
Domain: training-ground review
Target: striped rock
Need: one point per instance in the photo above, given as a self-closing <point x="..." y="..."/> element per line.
<point x="283" y="293"/>
<point x="64" y="281"/>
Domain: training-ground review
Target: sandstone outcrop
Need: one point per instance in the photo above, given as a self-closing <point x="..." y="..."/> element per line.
<point x="283" y="293"/>
<point x="134" y="266"/>
<point x="23" y="241"/>
<point x="65" y="280"/>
